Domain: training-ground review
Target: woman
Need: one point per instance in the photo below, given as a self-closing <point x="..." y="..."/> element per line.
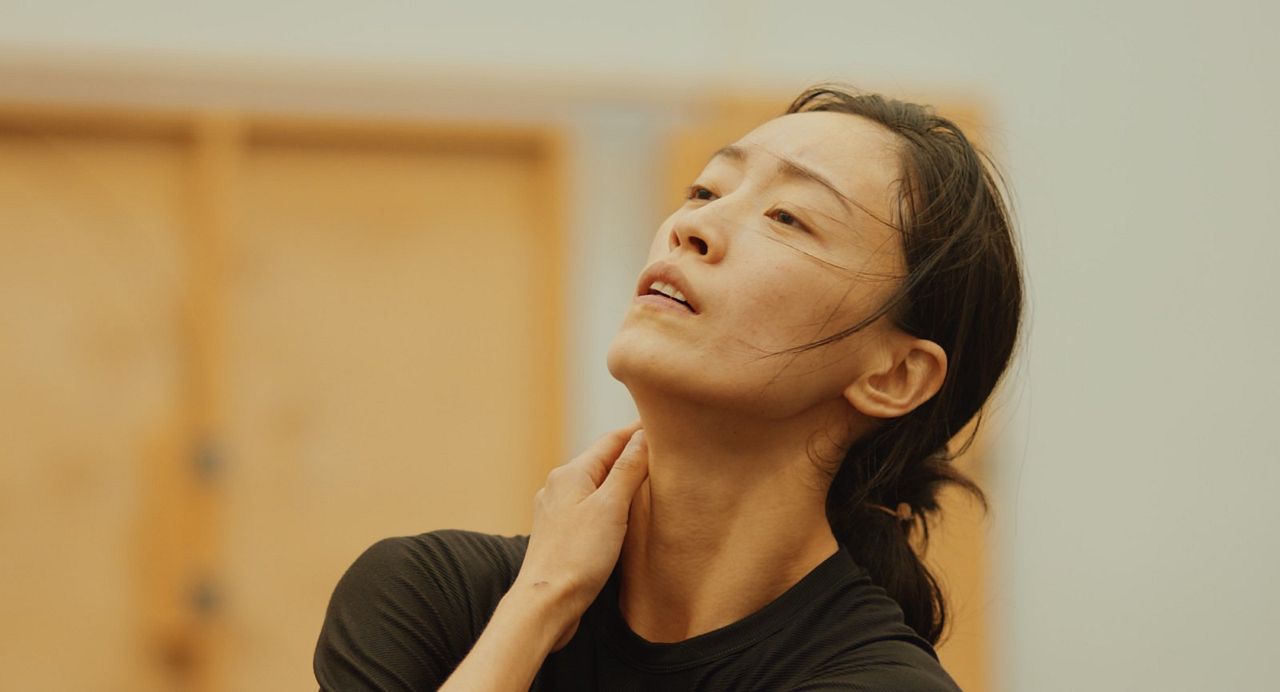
<point x="836" y="299"/>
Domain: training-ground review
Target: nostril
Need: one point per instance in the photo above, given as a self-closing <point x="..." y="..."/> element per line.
<point x="699" y="243"/>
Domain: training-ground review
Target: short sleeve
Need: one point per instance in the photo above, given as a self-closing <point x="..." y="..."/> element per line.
<point x="408" y="609"/>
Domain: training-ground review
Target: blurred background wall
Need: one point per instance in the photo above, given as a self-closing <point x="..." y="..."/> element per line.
<point x="1132" y="464"/>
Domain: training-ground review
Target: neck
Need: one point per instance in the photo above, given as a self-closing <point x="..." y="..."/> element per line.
<point x="731" y="516"/>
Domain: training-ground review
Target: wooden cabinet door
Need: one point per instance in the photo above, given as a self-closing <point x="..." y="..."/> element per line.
<point x="234" y="352"/>
<point x="91" y="381"/>
<point x="391" y="365"/>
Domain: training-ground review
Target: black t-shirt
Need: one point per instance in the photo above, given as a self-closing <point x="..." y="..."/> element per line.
<point x="408" y="610"/>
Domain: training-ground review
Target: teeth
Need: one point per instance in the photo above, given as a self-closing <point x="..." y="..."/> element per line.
<point x="668" y="290"/>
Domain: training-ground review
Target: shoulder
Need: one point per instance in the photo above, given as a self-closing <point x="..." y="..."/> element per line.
<point x="409" y="607"/>
<point x="857" y="640"/>
<point x="453" y="551"/>
<point x="888" y="664"/>
<point x="446" y="562"/>
<point x="474" y="567"/>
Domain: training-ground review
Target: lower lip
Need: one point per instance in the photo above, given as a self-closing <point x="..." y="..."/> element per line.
<point x="662" y="303"/>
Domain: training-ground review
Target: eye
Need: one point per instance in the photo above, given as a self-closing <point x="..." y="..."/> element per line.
<point x="785" y="217"/>
<point x="699" y="192"/>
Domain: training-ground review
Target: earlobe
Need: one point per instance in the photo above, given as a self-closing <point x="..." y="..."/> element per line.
<point x="912" y="375"/>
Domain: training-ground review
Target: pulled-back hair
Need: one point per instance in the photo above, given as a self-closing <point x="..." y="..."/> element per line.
<point x="963" y="291"/>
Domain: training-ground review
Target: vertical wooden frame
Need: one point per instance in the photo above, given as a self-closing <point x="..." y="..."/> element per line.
<point x="552" y="148"/>
<point x="218" y="145"/>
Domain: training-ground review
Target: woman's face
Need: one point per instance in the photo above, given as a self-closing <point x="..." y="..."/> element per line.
<point x="781" y="242"/>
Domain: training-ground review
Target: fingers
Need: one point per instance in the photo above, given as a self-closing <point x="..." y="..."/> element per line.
<point x="597" y="459"/>
<point x="628" y="472"/>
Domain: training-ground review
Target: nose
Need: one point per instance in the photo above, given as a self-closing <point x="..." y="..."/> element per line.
<point x="697" y="233"/>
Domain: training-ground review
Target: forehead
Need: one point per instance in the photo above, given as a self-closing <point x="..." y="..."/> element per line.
<point x="859" y="156"/>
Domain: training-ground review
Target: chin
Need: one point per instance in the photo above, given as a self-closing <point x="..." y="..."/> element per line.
<point x="638" y="357"/>
<point x="656" y="376"/>
<point x="625" y="358"/>
<point x="650" y="371"/>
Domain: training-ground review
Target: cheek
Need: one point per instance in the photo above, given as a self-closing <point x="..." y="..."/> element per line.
<point x="658" y="248"/>
<point x="788" y="313"/>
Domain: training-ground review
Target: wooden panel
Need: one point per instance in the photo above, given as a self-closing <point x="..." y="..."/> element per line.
<point x="241" y="352"/>
<point x="957" y="552"/>
<point x="90" y="391"/>
<point x="392" y="346"/>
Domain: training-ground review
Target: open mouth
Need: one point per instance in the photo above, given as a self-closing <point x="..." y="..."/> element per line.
<point x="669" y="292"/>
<point x="664" y="286"/>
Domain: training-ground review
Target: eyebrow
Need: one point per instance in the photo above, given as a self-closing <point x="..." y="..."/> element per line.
<point x="791" y="169"/>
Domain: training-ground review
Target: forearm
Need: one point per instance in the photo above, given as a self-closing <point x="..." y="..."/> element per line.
<point x="525" y="626"/>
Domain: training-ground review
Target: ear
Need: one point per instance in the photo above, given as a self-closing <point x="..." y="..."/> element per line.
<point x="909" y="373"/>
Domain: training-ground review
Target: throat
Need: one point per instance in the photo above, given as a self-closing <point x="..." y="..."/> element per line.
<point x="682" y="576"/>
<point x="661" y="607"/>
<point x="732" y="515"/>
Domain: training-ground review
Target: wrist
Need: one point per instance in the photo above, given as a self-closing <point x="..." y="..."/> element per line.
<point x="545" y="609"/>
<point x="523" y="630"/>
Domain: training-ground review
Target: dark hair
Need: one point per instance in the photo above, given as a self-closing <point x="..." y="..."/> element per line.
<point x="963" y="291"/>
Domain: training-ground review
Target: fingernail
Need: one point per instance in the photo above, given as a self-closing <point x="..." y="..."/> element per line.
<point x="637" y="438"/>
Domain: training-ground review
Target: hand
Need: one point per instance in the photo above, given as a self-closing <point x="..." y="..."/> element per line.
<point x="579" y="522"/>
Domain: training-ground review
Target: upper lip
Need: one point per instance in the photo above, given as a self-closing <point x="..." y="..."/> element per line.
<point x="667" y="273"/>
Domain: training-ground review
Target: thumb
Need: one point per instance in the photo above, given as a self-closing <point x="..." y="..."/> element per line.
<point x="628" y="472"/>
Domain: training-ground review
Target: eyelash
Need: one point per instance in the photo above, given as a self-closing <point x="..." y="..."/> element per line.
<point x="794" y="221"/>
<point x="693" y="192"/>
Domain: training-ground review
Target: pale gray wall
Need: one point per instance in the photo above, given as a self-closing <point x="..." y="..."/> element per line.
<point x="1136" y="482"/>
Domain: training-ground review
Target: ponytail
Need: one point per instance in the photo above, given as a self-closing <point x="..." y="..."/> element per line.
<point x="963" y="291"/>
<point x="885" y="541"/>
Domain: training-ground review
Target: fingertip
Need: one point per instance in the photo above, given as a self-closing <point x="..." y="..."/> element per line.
<point x="637" y="440"/>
